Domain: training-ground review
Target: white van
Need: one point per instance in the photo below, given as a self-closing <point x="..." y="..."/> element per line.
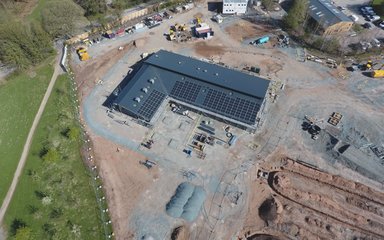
<point x="354" y="18"/>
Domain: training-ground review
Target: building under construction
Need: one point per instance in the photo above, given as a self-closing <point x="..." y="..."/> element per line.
<point x="219" y="92"/>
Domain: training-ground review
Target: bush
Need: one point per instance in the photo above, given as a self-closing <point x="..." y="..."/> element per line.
<point x="296" y="15"/>
<point x="24" y="233"/>
<point x="52" y="155"/>
<point x="22" y="46"/>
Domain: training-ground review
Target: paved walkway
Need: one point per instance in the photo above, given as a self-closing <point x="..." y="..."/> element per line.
<point x="28" y="142"/>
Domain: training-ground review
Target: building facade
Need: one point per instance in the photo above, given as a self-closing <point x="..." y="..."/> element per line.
<point x="235" y="6"/>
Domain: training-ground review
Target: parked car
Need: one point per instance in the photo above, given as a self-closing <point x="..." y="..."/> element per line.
<point x="366" y="8"/>
<point x="367" y="25"/>
<point x="375" y="18"/>
<point x="376" y="42"/>
<point x="341" y="8"/>
<point x="381" y="24"/>
<point x="354" y="18"/>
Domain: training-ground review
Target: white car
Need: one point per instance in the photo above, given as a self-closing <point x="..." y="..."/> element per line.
<point x="381" y="25"/>
<point x="354" y="18"/>
<point x="375" y="18"/>
<point x="376" y="42"/>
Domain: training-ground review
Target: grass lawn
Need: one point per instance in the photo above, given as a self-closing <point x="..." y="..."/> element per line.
<point x="54" y="198"/>
<point x="20" y="99"/>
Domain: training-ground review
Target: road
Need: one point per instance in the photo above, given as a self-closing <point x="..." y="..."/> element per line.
<point x="28" y="142"/>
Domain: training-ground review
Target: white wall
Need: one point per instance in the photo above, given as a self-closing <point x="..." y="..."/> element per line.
<point x="234" y="7"/>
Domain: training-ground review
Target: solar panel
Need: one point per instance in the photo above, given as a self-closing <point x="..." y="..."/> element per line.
<point x="150" y="106"/>
<point x="185" y="91"/>
<point x="233" y="107"/>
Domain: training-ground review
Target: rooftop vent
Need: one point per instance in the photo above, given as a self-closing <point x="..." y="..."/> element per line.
<point x="145" y="90"/>
<point x="179" y="62"/>
<point x="198" y="68"/>
<point x="216" y="74"/>
<point x="205" y="70"/>
<point x="137" y="99"/>
<point x="151" y="81"/>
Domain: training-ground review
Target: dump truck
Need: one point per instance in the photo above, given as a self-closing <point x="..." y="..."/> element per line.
<point x="378" y="73"/>
<point x="260" y="41"/>
<point x="83" y="54"/>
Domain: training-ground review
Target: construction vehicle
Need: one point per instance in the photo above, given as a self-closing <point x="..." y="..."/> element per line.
<point x="368" y="65"/>
<point x="378" y="73"/>
<point x="198" y="20"/>
<point x="83" y="54"/>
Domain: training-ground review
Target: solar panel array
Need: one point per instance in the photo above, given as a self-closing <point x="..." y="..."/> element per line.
<point x="233" y="107"/>
<point x="185" y="91"/>
<point x="150" y="106"/>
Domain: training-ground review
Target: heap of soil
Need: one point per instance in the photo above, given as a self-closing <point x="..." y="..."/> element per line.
<point x="179" y="233"/>
<point x="268" y="210"/>
<point x="262" y="237"/>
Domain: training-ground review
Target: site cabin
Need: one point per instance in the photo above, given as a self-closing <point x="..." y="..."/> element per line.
<point x="139" y="26"/>
<point x="235" y="6"/>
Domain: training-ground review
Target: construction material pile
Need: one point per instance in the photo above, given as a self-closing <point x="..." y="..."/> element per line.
<point x="186" y="202"/>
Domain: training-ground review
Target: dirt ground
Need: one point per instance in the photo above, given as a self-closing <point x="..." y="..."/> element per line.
<point x="137" y="196"/>
<point x="310" y="204"/>
<point x="125" y="180"/>
<point x="243" y="30"/>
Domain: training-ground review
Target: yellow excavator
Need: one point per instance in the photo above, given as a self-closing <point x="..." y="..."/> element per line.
<point x="83" y="53"/>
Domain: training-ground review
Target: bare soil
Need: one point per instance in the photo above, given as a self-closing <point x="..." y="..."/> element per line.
<point x="315" y="205"/>
<point x="208" y="50"/>
<point x="125" y="181"/>
<point x="243" y="30"/>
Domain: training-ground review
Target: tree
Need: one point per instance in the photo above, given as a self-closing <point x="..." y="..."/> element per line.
<point x="16" y="225"/>
<point x="60" y="18"/>
<point x="330" y="45"/>
<point x="268" y="4"/>
<point x="93" y="7"/>
<point x="296" y="15"/>
<point x="23" y="45"/>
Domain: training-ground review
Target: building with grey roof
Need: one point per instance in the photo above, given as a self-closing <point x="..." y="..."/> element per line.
<point x="220" y="92"/>
<point x="329" y="17"/>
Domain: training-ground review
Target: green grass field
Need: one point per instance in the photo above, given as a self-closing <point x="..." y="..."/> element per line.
<point x="20" y="99"/>
<point x="54" y="198"/>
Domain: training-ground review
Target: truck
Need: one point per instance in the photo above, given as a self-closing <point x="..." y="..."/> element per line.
<point x="83" y="54"/>
<point x="260" y="41"/>
<point x="378" y="73"/>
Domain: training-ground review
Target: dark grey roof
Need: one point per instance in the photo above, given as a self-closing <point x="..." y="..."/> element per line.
<point x="227" y="92"/>
<point x="325" y="13"/>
